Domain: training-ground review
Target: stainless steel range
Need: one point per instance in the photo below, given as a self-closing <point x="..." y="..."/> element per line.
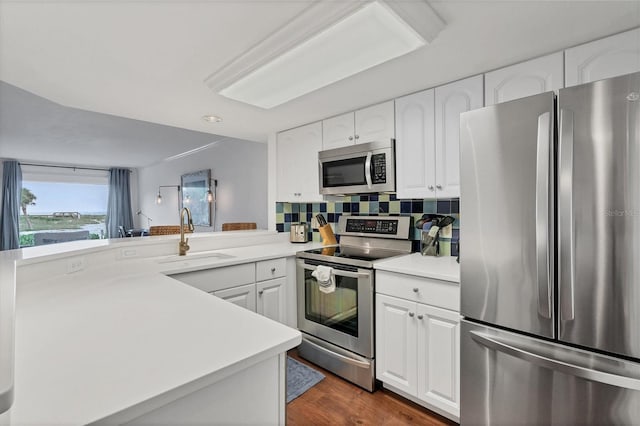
<point x="336" y="294"/>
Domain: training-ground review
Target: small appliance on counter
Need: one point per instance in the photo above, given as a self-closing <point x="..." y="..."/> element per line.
<point x="431" y="225"/>
<point x="299" y="233"/>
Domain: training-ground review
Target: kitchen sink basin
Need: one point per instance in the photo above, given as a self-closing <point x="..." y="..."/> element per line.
<point x="204" y="256"/>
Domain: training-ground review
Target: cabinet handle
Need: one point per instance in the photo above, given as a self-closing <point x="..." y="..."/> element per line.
<point x="430" y="187"/>
<point x="416" y="289"/>
<point x="439" y="186"/>
<point x="273" y="270"/>
<point x="357" y="136"/>
<point x="411" y="314"/>
<point x="350" y="138"/>
<point x="260" y="292"/>
<point x="420" y="316"/>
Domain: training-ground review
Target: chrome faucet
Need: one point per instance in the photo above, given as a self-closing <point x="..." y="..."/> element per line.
<point x="183" y="247"/>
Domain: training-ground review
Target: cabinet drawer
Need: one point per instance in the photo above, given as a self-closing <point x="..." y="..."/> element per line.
<point x="219" y="278"/>
<point x="269" y="269"/>
<point x="432" y="292"/>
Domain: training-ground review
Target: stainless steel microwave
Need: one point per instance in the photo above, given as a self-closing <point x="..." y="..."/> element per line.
<point x="357" y="169"/>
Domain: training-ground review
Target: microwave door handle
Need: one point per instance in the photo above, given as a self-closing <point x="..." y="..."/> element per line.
<point x="320" y="176"/>
<point x="367" y="170"/>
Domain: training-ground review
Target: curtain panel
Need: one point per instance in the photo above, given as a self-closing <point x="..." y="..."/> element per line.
<point x="119" y="211"/>
<point x="11" y="197"/>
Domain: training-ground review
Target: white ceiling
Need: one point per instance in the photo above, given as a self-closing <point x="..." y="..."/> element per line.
<point x="147" y="60"/>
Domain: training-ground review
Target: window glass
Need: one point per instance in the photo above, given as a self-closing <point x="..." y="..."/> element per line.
<point x="53" y="212"/>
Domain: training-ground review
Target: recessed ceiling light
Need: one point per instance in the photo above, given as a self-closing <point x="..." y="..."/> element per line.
<point x="212" y="118"/>
<point x="373" y="34"/>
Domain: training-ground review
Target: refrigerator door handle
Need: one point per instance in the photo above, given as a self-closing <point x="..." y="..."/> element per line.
<point x="566" y="244"/>
<point x="543" y="211"/>
<point x="510" y="348"/>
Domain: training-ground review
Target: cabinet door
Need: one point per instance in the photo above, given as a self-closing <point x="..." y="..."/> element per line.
<point x="450" y="101"/>
<point x="271" y="297"/>
<point x="525" y="79"/>
<point x="375" y="123"/>
<point x="605" y="58"/>
<point x="415" y="145"/>
<point x="297" y="163"/>
<point x="244" y="296"/>
<point x="338" y="131"/>
<point x="396" y="342"/>
<point x="439" y="357"/>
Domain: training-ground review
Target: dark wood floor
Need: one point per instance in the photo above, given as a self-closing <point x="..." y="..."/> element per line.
<point x="335" y="401"/>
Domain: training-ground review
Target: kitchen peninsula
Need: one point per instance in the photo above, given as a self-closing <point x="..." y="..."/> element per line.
<point x="104" y="336"/>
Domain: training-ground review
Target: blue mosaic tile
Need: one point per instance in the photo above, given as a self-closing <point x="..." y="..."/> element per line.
<point x="287" y="227"/>
<point x="331" y="217"/>
<point x="279" y="208"/>
<point x="392" y="197"/>
<point x="455" y="206"/>
<point x="323" y="208"/>
<point x="280" y="227"/>
<point x="287" y="218"/>
<point x="416" y="206"/>
<point x="346" y="207"/>
<point x="405" y="206"/>
<point x="295" y="217"/>
<point x="429" y="206"/>
<point x="383" y="206"/>
<point x="355" y="207"/>
<point x="444" y="207"/>
<point x="373" y="197"/>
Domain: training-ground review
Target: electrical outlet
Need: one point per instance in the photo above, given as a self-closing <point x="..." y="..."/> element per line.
<point x="75" y="264"/>
<point x="314" y="223"/>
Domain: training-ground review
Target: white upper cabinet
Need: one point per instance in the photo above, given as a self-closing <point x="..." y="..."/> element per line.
<point x="297" y="163"/>
<point x="427" y="140"/>
<point x="375" y="123"/>
<point x="605" y="58"/>
<point x="415" y="145"/>
<point x="338" y="131"/>
<point x="451" y="100"/>
<point x="524" y="79"/>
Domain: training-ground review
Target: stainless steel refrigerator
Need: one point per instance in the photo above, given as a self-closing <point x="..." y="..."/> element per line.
<point x="550" y="262"/>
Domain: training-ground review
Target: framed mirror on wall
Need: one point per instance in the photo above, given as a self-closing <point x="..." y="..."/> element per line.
<point x="194" y="196"/>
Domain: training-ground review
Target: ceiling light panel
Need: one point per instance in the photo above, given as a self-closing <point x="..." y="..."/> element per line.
<point x="372" y="35"/>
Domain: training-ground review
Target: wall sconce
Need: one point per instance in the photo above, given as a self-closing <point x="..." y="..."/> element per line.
<point x="211" y="195"/>
<point x="159" y="197"/>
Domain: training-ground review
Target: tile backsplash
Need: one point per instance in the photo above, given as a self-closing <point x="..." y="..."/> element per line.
<point x="369" y="205"/>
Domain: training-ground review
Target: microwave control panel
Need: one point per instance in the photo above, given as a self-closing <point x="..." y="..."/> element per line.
<point x="378" y="168"/>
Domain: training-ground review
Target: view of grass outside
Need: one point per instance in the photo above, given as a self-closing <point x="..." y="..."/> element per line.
<point x="56" y="207"/>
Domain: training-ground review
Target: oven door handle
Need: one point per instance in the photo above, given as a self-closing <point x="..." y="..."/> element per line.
<point x="343" y="272"/>
<point x="337" y="355"/>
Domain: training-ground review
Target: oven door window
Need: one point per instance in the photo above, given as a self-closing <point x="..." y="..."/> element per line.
<point x="344" y="172"/>
<point x="337" y="310"/>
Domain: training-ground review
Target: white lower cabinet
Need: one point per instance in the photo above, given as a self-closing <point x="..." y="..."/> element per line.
<point x="260" y="287"/>
<point x="418" y="350"/>
<point x="271" y="299"/>
<point x="244" y="296"/>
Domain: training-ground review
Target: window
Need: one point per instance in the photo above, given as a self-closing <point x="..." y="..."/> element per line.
<point x="62" y="204"/>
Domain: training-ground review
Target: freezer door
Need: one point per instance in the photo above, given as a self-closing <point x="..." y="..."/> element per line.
<point x="507" y="201"/>
<point x="599" y="215"/>
<point x="512" y="379"/>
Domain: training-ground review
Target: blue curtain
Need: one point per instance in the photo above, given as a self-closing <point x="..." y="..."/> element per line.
<point x="11" y="196"/>
<point x="119" y="211"/>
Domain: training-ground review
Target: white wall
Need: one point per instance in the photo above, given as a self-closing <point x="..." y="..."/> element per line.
<point x="241" y="170"/>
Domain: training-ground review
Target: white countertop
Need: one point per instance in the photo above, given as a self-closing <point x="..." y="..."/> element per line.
<point x="121" y="334"/>
<point x="441" y="268"/>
